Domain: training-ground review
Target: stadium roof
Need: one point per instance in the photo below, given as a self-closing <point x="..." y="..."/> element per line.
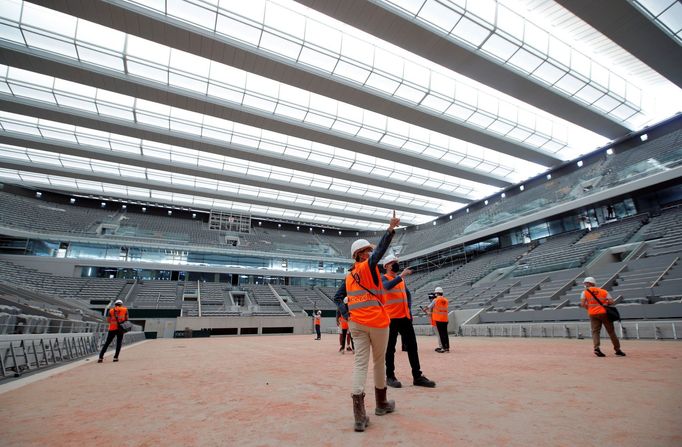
<point x="324" y="111"/>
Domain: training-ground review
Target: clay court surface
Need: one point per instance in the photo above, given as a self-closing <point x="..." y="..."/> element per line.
<point x="291" y="390"/>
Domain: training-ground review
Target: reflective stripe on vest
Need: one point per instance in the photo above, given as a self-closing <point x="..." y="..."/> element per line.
<point x="396" y="300"/>
<point x="440" y="309"/>
<point x="593" y="307"/>
<point x="365" y="308"/>
<point x="121" y="314"/>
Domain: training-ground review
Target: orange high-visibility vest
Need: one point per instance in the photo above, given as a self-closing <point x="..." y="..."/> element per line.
<point x="317" y="320"/>
<point x="440" y="309"/>
<point x="343" y="324"/>
<point x="121" y="314"/>
<point x="396" y="300"/>
<point x="366" y="308"/>
<point x="593" y="307"/>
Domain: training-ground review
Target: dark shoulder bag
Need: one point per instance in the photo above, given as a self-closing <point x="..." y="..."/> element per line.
<point x="125" y="326"/>
<point x="611" y="312"/>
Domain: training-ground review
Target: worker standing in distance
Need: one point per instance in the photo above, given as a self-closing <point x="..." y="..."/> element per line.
<point x="439" y="313"/>
<point x="594" y="299"/>
<point x="316" y="318"/>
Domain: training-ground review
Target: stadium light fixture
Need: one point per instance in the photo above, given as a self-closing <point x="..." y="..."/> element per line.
<point x="144" y="209"/>
<point x="103" y="204"/>
<point x="450" y="216"/>
<point x="434" y="222"/>
<point x="467" y="210"/>
<point x="298" y="227"/>
<point x="609" y="151"/>
<point x="644" y="137"/>
<point x="580" y="163"/>
<point x="39" y="194"/>
<point x="323" y="230"/>
<point x="279" y="225"/>
<point x="194" y="215"/>
<point x="503" y="195"/>
<point x="486" y="202"/>
<point x="521" y="188"/>
<point x="549" y="176"/>
<point x="72" y="200"/>
<point x="170" y="212"/>
<point x="124" y="206"/>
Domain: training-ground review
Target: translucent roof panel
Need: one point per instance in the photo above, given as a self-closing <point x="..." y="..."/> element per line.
<point x="282" y="164"/>
<point x="222" y="84"/>
<point x="355" y="57"/>
<point x="212" y="130"/>
<point x="194" y="185"/>
<point x="504" y="32"/>
<point x="97" y="142"/>
<point x="59" y="182"/>
<point x="666" y="14"/>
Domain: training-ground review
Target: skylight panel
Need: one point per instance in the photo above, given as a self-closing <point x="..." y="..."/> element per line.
<point x="280" y="46"/>
<point x="55" y="22"/>
<point x="318" y="59"/>
<point x="200" y="14"/>
<point x="439" y="15"/>
<point x="352" y="71"/>
<point x="93" y="34"/>
<point x="470" y="31"/>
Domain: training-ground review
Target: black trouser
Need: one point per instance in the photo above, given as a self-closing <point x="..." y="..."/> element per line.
<point x="442" y="327"/>
<point x="118" y="333"/>
<point x="345" y="335"/>
<point x="317" y="329"/>
<point x="402" y="326"/>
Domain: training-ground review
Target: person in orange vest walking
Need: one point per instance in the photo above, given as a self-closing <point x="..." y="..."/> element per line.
<point x="317" y="317"/>
<point x="439" y="314"/>
<point x="398" y="306"/>
<point x="368" y="322"/>
<point x="116" y="315"/>
<point x="594" y="299"/>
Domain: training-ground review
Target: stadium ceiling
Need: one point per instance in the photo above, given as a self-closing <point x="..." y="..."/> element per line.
<point x="323" y="111"/>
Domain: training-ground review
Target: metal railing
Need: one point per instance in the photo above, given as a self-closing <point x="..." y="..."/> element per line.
<point x="631" y="329"/>
<point x="24" y="353"/>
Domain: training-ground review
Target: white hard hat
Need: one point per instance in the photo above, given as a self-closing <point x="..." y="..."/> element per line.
<point x="319" y="312"/>
<point x="345" y="300"/>
<point x="359" y="245"/>
<point x="388" y="259"/>
<point x="590" y="280"/>
<point x="438" y="290"/>
<point x="118" y="302"/>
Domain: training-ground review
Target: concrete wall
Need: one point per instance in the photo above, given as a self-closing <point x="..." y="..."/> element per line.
<point x="300" y="325"/>
<point x="55" y="266"/>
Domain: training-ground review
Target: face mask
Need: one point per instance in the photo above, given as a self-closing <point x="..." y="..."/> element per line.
<point x="395" y="267"/>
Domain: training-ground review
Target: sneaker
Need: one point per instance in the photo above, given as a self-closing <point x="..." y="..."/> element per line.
<point x="620" y="353"/>
<point x="393" y="382"/>
<point x="100" y="360"/>
<point x="423" y="381"/>
<point x="598" y="353"/>
<point x="439" y="350"/>
<point x="349" y="348"/>
<point x="115" y="359"/>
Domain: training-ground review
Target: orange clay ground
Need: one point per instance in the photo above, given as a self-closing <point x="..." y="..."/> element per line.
<point x="291" y="390"/>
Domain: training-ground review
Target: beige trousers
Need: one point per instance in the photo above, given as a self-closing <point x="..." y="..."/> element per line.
<point x="369" y="338"/>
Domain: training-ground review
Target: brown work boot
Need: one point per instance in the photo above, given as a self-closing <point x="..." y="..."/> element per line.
<point x="361" y="419"/>
<point x="383" y="406"/>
